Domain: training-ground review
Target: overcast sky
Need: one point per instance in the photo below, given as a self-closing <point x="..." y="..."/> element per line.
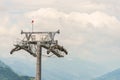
<point x="89" y="28"/>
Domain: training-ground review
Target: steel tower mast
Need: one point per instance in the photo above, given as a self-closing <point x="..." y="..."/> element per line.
<point x="33" y="43"/>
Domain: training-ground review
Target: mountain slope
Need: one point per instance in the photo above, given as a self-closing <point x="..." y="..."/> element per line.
<point x="114" y="75"/>
<point x="27" y="78"/>
<point x="6" y="73"/>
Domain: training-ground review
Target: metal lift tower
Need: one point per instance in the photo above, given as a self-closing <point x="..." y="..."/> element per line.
<point x="33" y="42"/>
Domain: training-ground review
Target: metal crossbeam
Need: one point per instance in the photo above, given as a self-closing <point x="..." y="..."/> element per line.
<point x="22" y="32"/>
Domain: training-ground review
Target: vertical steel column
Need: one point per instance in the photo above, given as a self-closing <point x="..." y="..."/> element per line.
<point x="39" y="61"/>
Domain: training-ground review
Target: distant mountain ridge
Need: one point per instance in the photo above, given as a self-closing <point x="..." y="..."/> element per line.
<point x="58" y="69"/>
<point x="114" y="75"/>
<point x="2" y="65"/>
<point x="58" y="73"/>
<point x="6" y="73"/>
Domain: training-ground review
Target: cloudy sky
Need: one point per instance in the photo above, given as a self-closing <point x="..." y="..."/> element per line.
<point x="89" y="28"/>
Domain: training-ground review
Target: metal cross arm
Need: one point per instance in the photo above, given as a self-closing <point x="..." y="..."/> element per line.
<point x="33" y="36"/>
<point x="22" y="32"/>
<point x="18" y="47"/>
<point x="54" y="49"/>
<point x="29" y="45"/>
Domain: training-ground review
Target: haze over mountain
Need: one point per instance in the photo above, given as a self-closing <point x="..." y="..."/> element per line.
<point x="61" y="72"/>
<point x="114" y="75"/>
<point x="55" y="69"/>
<point x="6" y="73"/>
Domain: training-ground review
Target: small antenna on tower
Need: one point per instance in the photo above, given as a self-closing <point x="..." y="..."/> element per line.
<point x="32" y="25"/>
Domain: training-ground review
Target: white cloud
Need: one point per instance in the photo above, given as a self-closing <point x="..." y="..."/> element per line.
<point x="52" y="19"/>
<point x="34" y="2"/>
<point x="89" y="28"/>
<point x="80" y="32"/>
<point x="66" y="6"/>
<point x="96" y="30"/>
<point x="96" y="18"/>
